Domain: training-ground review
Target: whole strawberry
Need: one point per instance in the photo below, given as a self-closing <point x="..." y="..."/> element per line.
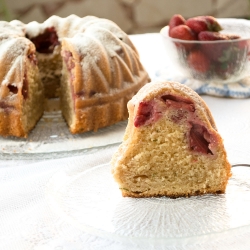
<point x="182" y="32"/>
<point x="176" y="20"/>
<point x="198" y="62"/>
<point x="215" y="36"/>
<point x="203" y="23"/>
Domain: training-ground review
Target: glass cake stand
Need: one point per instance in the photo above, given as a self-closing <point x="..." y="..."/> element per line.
<point x="51" y="138"/>
<point x="91" y="201"/>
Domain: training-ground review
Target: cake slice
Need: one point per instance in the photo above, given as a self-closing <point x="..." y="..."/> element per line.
<point x="21" y="90"/>
<point x="171" y="146"/>
<point x="95" y="87"/>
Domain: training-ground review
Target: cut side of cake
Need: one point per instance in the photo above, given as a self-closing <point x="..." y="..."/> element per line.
<point x="49" y="59"/>
<point x="171" y="146"/>
<point x="21" y="90"/>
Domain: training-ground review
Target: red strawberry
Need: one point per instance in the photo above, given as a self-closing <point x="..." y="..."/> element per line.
<point x="176" y="20"/>
<point x="197" y="24"/>
<point x="214" y="36"/>
<point x="198" y="61"/>
<point x="182" y="32"/>
<point x="203" y="23"/>
<point x="144" y="113"/>
<point x="217" y="51"/>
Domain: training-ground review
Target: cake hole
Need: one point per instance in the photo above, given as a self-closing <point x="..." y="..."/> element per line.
<point x="137" y="192"/>
<point x="47" y="41"/>
<point x="175" y="99"/>
<point x="141" y="177"/>
<point x="13" y="89"/>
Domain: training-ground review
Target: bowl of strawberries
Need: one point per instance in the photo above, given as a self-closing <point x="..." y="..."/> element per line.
<point x="209" y="49"/>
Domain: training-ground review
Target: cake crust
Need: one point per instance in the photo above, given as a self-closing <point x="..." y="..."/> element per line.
<point x="99" y="112"/>
<point x="102" y="75"/>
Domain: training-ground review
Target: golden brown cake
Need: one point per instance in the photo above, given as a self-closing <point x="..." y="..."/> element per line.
<point x="171" y="146"/>
<point x="21" y="91"/>
<point x="89" y="62"/>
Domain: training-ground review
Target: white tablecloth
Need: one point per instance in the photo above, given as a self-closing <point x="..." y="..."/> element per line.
<point x="26" y="220"/>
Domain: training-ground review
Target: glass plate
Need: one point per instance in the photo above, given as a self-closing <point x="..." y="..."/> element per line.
<point x="51" y="138"/>
<point x="91" y="201"/>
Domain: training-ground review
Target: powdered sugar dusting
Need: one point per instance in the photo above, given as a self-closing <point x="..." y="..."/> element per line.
<point x="12" y="28"/>
<point x="13" y="49"/>
<point x="104" y="50"/>
<point x="34" y="29"/>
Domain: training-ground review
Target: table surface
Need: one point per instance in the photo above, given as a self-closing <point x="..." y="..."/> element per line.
<point x="26" y="219"/>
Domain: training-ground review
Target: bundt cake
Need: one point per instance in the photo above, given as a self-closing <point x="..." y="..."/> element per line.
<point x="171" y="146"/>
<point x="89" y="62"/>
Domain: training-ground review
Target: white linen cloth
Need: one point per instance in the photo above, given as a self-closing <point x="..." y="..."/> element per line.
<point x="26" y="219"/>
